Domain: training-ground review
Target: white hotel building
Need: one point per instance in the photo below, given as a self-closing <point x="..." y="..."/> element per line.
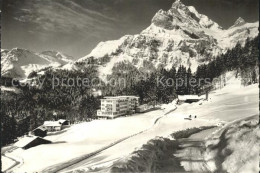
<point x="112" y="107"/>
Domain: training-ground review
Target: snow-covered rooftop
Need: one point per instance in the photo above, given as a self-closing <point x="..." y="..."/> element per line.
<point x="188" y="97"/>
<point x="116" y="97"/>
<point x="24" y="141"/>
<point x="43" y="128"/>
<point x="51" y="123"/>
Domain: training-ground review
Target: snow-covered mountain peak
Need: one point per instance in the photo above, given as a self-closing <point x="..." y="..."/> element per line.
<point x="240" y="21"/>
<point x="19" y="63"/>
<point x="180" y="16"/>
<point x="180" y="35"/>
<point x="203" y="20"/>
<point x="178" y="4"/>
<point x="58" y="55"/>
<point x="17" y="54"/>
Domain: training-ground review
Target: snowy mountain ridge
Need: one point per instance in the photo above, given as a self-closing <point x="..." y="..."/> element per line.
<point x="180" y="35"/>
<point x="19" y="63"/>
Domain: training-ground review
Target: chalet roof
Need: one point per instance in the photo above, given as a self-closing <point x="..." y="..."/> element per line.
<point x="62" y="121"/>
<point x="120" y="97"/>
<point x="128" y="96"/>
<point x="52" y="123"/>
<point x="43" y="128"/>
<point x="143" y="106"/>
<point x="188" y="97"/>
<point x="24" y="141"/>
<point x="27" y="140"/>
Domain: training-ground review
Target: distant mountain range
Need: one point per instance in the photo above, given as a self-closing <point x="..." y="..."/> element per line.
<point x="19" y="63"/>
<point x="180" y="35"/>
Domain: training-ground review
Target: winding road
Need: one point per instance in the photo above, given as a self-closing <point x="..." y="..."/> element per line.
<point x="192" y="150"/>
<point x="16" y="162"/>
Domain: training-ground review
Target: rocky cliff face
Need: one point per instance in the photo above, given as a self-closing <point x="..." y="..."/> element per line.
<point x="180" y="35"/>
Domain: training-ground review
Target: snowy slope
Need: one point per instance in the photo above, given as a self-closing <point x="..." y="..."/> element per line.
<point x="19" y="63"/>
<point x="180" y="35"/>
<point x="233" y="104"/>
<point x="226" y="105"/>
<point x="55" y="56"/>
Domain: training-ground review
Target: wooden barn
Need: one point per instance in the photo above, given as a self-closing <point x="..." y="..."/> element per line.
<point x="144" y="108"/>
<point x="64" y="122"/>
<point x="188" y="98"/>
<point x="52" y="126"/>
<point x="40" y="131"/>
<point x="29" y="142"/>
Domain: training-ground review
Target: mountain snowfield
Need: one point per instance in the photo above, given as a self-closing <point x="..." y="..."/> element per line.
<point x="180" y="35"/>
<point x="19" y="63"/>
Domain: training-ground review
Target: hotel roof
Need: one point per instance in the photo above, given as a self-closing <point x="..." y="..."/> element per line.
<point x="51" y="123"/>
<point x="188" y="97"/>
<point x="117" y="97"/>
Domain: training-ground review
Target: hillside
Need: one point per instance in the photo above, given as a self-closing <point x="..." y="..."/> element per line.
<point x="139" y="130"/>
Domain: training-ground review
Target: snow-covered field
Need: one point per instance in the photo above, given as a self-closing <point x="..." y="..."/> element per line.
<point x="226" y="105"/>
<point x="81" y="139"/>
